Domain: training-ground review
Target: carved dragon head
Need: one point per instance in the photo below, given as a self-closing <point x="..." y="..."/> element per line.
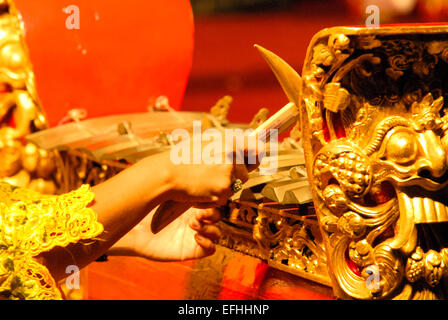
<point x="375" y="136"/>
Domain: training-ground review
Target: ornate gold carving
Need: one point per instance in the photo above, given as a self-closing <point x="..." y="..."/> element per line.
<point x="220" y="110"/>
<point x="22" y="164"/>
<point x="287" y="238"/>
<point x="430" y="266"/>
<point x="259" y="118"/>
<point x="78" y="168"/>
<point x="375" y="139"/>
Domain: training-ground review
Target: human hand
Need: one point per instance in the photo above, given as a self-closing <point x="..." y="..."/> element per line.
<point x="191" y="236"/>
<point x="208" y="180"/>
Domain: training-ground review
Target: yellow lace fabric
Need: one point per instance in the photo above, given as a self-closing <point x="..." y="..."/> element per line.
<point x="31" y="223"/>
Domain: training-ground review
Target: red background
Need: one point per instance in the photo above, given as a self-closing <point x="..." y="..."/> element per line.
<point x="124" y="54"/>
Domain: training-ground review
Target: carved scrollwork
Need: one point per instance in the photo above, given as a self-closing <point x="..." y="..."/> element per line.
<point x="376" y="145"/>
<point x="284" y="240"/>
<point x="368" y="202"/>
<point x="22" y="164"/>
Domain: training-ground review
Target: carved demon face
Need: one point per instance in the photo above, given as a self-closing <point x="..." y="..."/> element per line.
<point x="375" y="134"/>
<point x="379" y="165"/>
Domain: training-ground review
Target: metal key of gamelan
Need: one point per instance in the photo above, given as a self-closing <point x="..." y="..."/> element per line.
<point x="291" y="83"/>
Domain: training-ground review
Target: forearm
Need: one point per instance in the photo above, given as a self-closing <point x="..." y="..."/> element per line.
<point x="120" y="203"/>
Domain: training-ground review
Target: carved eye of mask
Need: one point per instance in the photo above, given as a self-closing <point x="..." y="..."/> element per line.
<point x="401" y="146"/>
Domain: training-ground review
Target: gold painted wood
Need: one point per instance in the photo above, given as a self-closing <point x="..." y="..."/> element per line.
<point x="22" y="164"/>
<point x="374" y="125"/>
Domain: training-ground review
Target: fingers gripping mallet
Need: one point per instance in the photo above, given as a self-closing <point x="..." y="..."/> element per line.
<point x="291" y="83"/>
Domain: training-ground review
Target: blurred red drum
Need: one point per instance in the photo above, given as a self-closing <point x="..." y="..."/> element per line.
<point x="121" y="55"/>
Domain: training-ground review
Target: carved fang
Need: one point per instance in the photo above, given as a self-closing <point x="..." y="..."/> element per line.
<point x="405" y="223"/>
<point x="288" y="78"/>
